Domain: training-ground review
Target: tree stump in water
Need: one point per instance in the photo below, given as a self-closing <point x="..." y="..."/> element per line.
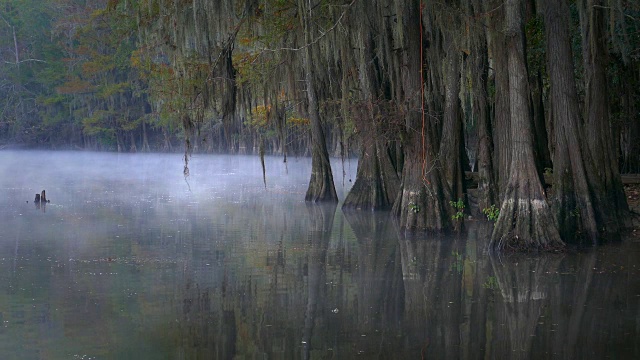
<point x="42" y="197"/>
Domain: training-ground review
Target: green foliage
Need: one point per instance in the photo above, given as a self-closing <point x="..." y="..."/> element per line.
<point x="491" y="283"/>
<point x="260" y="117"/>
<point x="100" y="126"/>
<point x="24" y="25"/>
<point x="459" y="207"/>
<point x="492" y="212"/>
<point x="414" y="207"/>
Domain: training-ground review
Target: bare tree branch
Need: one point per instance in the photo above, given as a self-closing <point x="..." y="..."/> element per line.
<point x="25" y="60"/>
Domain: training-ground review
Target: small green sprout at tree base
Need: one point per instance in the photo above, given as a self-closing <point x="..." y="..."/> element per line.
<point x="491" y="283"/>
<point x="459" y="207"/>
<point x="491" y="212"/>
<point x="414" y="207"/>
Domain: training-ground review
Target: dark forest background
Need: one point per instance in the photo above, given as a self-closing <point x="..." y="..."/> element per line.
<point x="108" y="75"/>
<point x="420" y="91"/>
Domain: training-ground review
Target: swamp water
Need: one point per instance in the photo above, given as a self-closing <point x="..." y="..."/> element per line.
<point x="129" y="261"/>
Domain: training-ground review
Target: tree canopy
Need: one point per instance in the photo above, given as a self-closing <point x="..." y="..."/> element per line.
<point x="420" y="91"/>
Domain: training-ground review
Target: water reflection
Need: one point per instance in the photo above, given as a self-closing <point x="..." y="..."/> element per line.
<point x="524" y="285"/>
<point x="321" y="225"/>
<point x="378" y="308"/>
<point x="137" y="266"/>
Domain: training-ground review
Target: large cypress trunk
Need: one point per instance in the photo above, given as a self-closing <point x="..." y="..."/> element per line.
<point x="543" y="154"/>
<point x="477" y="73"/>
<point x="421" y="202"/>
<point x="487" y="193"/>
<point x="526" y="221"/>
<point x="607" y="185"/>
<point x="501" y="120"/>
<point x="321" y="187"/>
<point x="450" y="155"/>
<point x="377" y="181"/>
<point x="572" y="201"/>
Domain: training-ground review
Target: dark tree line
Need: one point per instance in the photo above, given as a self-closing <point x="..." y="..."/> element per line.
<point x="421" y="91"/>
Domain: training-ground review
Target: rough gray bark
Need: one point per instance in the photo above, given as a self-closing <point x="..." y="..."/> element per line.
<point x="501" y="120"/>
<point x="421" y="203"/>
<point x="543" y="154"/>
<point x="451" y="141"/>
<point x="321" y="187"/>
<point x="487" y="189"/>
<point x="606" y="184"/>
<point x="572" y="201"/>
<point x="525" y="221"/>
<point x="377" y="182"/>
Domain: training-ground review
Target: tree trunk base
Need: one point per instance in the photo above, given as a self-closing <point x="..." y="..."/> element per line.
<point x="525" y="223"/>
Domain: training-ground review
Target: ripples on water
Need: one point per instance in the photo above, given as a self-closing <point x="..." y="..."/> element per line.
<point x="129" y="261"/>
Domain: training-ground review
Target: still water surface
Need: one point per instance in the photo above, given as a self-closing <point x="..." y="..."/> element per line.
<point x="130" y="261"/>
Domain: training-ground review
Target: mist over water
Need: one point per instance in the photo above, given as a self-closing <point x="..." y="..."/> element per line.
<point x="131" y="261"/>
<point x="65" y="174"/>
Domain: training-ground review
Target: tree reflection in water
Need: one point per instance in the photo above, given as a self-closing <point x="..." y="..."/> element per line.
<point x="379" y="305"/>
<point x="430" y="267"/>
<point x="155" y="274"/>
<point x="351" y="286"/>
<point x="321" y="217"/>
<point x="524" y="284"/>
<point x="392" y="295"/>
